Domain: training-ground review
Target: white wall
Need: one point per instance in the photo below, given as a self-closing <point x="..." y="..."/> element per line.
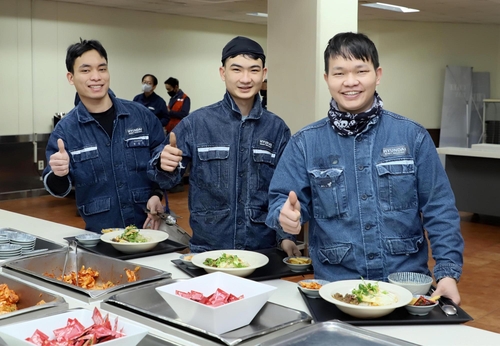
<point x="34" y="39"/>
<point x="34" y="36"/>
<point x="414" y="56"/>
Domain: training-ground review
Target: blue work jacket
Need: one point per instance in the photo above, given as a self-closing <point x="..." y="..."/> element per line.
<point x="369" y="198"/>
<point x="109" y="175"/>
<point x="232" y="162"/>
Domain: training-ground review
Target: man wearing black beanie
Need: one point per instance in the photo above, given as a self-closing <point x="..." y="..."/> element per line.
<point x="233" y="146"/>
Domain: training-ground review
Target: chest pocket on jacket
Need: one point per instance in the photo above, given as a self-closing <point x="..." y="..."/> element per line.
<point x="214" y="167"/>
<point x="87" y="167"/>
<point x="265" y="162"/>
<point x="329" y="194"/>
<point x="397" y="185"/>
<point x="137" y="152"/>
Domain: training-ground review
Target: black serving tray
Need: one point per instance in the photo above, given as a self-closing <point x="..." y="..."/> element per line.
<point x="274" y="269"/>
<point x="322" y="311"/>
<point x="106" y="249"/>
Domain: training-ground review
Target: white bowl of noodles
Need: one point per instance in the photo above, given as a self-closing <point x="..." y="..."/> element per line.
<point x="153" y="237"/>
<point x="252" y="260"/>
<point x="394" y="297"/>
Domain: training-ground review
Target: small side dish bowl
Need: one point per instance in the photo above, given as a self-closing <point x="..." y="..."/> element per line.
<point x="154" y="237"/>
<point x="416" y="283"/>
<point x="420" y="310"/>
<point x="298" y="263"/>
<point x="223" y="318"/>
<point x="88" y="239"/>
<point x="403" y="297"/>
<point x="186" y="259"/>
<point x="311" y="287"/>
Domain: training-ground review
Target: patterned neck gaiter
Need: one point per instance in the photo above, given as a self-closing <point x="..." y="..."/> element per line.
<point x="347" y="124"/>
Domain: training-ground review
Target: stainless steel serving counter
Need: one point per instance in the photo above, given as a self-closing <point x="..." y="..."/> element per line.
<point x="286" y="294"/>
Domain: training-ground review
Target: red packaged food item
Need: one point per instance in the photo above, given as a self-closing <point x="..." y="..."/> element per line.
<point x="218" y="298"/>
<point x="75" y="334"/>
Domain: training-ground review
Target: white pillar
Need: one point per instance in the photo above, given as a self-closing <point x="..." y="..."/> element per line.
<point x="297" y="34"/>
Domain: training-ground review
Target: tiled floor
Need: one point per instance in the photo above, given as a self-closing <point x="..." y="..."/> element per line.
<point x="479" y="286"/>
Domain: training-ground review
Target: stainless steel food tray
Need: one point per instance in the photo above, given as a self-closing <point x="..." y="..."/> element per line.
<point x="144" y="305"/>
<point x="32" y="269"/>
<point x="325" y="333"/>
<point x="151" y="340"/>
<point x="29" y="296"/>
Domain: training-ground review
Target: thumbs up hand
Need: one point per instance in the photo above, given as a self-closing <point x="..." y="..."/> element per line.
<point x="59" y="161"/>
<point x="290" y="214"/>
<point x="170" y="155"/>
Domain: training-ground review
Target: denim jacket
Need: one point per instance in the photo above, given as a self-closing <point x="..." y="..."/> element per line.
<point x="232" y="162"/>
<point x="109" y="175"/>
<point x="369" y="198"/>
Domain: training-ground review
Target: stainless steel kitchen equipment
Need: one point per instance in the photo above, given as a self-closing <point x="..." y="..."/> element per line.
<point x="334" y="333"/>
<point x="39" y="269"/>
<point x="29" y="297"/>
<point x="144" y="305"/>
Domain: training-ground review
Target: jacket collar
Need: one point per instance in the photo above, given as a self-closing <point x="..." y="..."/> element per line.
<point x="255" y="112"/>
<point x="85" y="117"/>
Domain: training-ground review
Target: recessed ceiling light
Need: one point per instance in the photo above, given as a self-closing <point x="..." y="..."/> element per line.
<point x="389" y="7"/>
<point x="257" y="14"/>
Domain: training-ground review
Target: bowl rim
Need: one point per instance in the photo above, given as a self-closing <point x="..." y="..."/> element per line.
<point x="294" y="264"/>
<point x="106" y="237"/>
<point x="428" y="279"/>
<point x="198" y="261"/>
<point x="88" y="236"/>
<point x="404" y="295"/>
<point x="422" y="306"/>
<point x="305" y="289"/>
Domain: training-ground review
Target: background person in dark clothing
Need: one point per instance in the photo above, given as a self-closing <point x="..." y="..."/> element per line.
<point x="263" y="93"/>
<point x="151" y="100"/>
<point x="179" y="104"/>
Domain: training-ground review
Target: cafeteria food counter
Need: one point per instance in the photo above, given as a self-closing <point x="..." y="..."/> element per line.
<point x="286" y="294"/>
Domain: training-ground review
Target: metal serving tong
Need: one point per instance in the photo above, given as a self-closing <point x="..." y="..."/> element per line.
<point x="170" y="219"/>
<point x="72" y="245"/>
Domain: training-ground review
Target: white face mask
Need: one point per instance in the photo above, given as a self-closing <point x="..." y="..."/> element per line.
<point x="147" y="88"/>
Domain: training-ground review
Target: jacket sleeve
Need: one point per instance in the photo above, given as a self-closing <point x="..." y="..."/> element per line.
<point x="440" y="216"/>
<point x="163" y="113"/>
<point x="290" y="175"/>
<point x="285" y="138"/>
<point x="56" y="186"/>
<point x="167" y="180"/>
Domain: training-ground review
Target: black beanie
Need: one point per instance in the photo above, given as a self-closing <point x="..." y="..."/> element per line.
<point x="242" y="45"/>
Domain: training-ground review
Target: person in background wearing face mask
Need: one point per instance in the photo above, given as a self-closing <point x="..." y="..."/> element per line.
<point x="263" y="93"/>
<point x="158" y="106"/>
<point x="179" y="104"/>
<point x="151" y="100"/>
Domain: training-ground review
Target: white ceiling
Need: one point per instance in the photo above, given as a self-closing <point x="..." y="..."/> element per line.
<point x="451" y="11"/>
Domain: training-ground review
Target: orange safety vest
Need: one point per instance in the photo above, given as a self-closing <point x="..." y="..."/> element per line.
<point x="176" y="107"/>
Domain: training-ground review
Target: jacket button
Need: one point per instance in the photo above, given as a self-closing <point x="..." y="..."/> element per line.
<point x="371" y="256"/>
<point x="240" y="222"/>
<point x="368" y="226"/>
<point x="360" y="167"/>
<point x="364" y="197"/>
